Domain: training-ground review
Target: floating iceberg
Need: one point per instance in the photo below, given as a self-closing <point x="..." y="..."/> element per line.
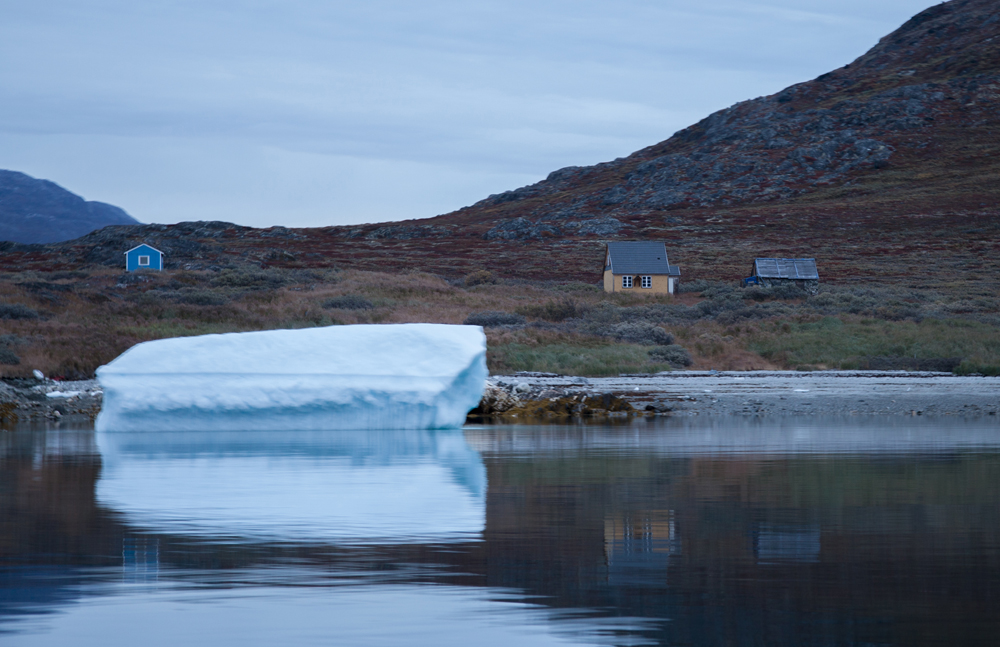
<point x="397" y="486"/>
<point x="405" y="376"/>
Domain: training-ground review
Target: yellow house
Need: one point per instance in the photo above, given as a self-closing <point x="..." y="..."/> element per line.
<point x="639" y="266"/>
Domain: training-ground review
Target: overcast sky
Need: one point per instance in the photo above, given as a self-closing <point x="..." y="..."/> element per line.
<point x="319" y="112"/>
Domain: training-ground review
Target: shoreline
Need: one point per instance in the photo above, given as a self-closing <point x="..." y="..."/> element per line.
<point x="775" y="393"/>
<point x="530" y="397"/>
<point x="32" y="400"/>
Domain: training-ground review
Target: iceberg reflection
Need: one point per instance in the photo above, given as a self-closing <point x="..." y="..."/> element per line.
<point x="384" y="486"/>
<point x="373" y="616"/>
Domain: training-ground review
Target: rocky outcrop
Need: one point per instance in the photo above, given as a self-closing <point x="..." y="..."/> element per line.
<point x="524" y="229"/>
<point x="407" y="232"/>
<point x="28" y="399"/>
<point x="522" y="402"/>
<point x="759" y="150"/>
<point x="941" y="66"/>
<point x="184" y="244"/>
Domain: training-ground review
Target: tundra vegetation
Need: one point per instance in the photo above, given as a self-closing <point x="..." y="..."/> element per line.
<point x="68" y="323"/>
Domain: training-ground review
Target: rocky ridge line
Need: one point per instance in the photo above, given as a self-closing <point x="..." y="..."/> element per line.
<point x="821" y="133"/>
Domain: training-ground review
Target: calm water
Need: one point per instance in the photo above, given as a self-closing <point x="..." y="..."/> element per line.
<point x="836" y="532"/>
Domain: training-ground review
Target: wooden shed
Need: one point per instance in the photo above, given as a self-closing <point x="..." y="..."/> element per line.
<point x="639" y="266"/>
<point x="769" y="272"/>
<point x="143" y="257"/>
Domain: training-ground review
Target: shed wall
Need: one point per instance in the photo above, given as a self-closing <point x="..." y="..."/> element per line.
<point x="132" y="260"/>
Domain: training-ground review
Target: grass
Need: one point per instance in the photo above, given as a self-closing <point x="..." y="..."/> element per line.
<point x="974" y="368"/>
<point x="845" y="342"/>
<point x="573" y="359"/>
<point x="571" y="328"/>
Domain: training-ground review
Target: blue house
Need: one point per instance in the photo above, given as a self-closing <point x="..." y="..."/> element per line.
<point x="143" y="257"/>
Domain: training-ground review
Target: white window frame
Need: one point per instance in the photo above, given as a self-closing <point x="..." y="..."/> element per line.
<point x="626" y="282"/>
<point x="646" y="281"/>
<point x="144" y="261"/>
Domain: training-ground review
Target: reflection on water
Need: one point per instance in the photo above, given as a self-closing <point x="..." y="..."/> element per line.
<point x="376" y="615"/>
<point x="718" y="435"/>
<point x="320" y="486"/>
<point x="840" y="532"/>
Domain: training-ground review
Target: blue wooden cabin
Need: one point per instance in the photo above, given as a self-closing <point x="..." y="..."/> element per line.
<point x="143" y="257"/>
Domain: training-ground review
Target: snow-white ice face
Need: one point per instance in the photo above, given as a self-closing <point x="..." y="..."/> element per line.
<point x="389" y="486"/>
<point x="407" y="376"/>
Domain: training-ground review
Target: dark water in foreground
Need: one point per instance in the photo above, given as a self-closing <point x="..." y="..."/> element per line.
<point x="837" y="532"/>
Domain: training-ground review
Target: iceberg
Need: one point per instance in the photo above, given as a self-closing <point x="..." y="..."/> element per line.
<point x="395" y="376"/>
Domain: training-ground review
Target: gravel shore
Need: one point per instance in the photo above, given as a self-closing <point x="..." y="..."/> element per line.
<point x="680" y="393"/>
<point x="24" y="400"/>
<point x="779" y="393"/>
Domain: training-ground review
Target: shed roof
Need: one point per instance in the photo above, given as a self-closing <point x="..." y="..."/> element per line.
<point x="144" y="245"/>
<point x="640" y="257"/>
<point x="786" y="268"/>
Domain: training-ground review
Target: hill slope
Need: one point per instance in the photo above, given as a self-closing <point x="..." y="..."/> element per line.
<point x="885" y="170"/>
<point x="39" y="211"/>
<point x="914" y="120"/>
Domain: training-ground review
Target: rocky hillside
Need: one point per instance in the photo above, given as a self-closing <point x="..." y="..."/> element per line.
<point x="928" y="93"/>
<point x="885" y="171"/>
<point x="39" y="211"/>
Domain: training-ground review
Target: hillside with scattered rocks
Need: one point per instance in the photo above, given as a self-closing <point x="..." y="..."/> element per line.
<point x="928" y="92"/>
<point x="884" y="170"/>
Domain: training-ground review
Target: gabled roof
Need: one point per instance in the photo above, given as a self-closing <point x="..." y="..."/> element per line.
<point x="640" y="257"/>
<point x="145" y="245"/>
<point x="786" y="268"/>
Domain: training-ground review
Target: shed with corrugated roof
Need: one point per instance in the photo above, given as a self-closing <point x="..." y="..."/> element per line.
<point x="639" y="266"/>
<point x="770" y="272"/>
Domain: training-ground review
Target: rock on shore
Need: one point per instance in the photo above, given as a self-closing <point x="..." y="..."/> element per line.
<point x="518" y="401"/>
<point x="26" y="400"/>
<point x="757" y="393"/>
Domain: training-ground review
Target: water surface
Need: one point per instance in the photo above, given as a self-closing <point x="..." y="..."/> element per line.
<point x="852" y="531"/>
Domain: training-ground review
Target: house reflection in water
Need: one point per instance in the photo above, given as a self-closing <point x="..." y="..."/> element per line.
<point x="638" y="546"/>
<point x="772" y="544"/>
<point x="140" y="559"/>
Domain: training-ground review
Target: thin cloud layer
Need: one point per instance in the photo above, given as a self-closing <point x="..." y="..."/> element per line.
<point x="305" y="112"/>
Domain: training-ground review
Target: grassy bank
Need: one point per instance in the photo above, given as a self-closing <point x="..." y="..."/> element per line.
<point x="69" y="323"/>
<point x="851" y="342"/>
<point x="582" y="358"/>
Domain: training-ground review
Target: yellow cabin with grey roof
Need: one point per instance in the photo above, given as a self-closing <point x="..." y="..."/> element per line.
<point x="639" y="267"/>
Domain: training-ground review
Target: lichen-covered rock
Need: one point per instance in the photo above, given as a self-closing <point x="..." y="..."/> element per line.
<point x="497" y="403"/>
<point x="495" y="400"/>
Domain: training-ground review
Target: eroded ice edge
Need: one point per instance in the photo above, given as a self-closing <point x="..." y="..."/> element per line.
<point x="400" y="376"/>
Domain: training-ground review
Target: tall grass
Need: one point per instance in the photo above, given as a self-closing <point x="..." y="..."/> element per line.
<point x="845" y="343"/>
<point x="573" y="359"/>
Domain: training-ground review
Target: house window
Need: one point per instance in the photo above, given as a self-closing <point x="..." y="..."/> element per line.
<point x="626" y="282"/>
<point x="143" y="261"/>
<point x="647" y="281"/>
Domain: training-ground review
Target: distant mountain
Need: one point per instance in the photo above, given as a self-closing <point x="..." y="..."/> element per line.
<point x="39" y="211"/>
